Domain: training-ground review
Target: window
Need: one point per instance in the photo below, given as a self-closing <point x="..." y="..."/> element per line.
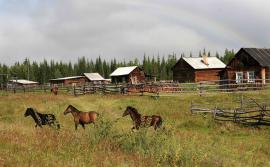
<point x="239" y="77"/>
<point x="251" y="76"/>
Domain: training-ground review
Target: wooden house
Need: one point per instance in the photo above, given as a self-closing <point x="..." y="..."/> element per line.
<point x="95" y="78"/>
<point x="196" y="69"/>
<point x="73" y="80"/>
<point x="22" y="83"/>
<point x="132" y="75"/>
<point x="249" y="65"/>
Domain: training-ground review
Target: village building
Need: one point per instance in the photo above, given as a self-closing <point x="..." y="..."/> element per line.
<point x="73" y="80"/>
<point x="131" y="75"/>
<point x="249" y="65"/>
<point x="95" y="78"/>
<point x="196" y="69"/>
<point x="22" y="83"/>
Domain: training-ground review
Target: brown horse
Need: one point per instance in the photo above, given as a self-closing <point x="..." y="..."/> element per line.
<point x="54" y="90"/>
<point x="81" y="117"/>
<point x="142" y="121"/>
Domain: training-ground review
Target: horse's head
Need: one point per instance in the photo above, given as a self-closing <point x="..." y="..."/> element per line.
<point x="127" y="111"/>
<point x="68" y="110"/>
<point x="28" y="112"/>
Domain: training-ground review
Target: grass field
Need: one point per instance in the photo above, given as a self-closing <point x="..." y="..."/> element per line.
<point x="184" y="140"/>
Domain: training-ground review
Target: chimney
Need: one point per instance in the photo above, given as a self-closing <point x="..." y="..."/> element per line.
<point x="205" y="60"/>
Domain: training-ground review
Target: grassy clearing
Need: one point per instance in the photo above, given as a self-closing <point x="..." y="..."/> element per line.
<point x="185" y="140"/>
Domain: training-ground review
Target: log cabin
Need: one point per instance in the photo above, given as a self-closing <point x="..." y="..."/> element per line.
<point x="249" y="65"/>
<point x="131" y="75"/>
<point x="73" y="80"/>
<point x="197" y="69"/>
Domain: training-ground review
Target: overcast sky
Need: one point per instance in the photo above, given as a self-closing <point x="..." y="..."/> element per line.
<point x="125" y="29"/>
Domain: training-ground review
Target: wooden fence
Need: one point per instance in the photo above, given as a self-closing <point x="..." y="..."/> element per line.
<point x="249" y="112"/>
<point x="155" y="88"/>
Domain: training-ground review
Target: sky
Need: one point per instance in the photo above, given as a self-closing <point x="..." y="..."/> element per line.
<point x="127" y="29"/>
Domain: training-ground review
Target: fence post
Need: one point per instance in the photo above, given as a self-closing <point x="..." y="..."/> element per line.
<point x="200" y="89"/>
<point x="74" y="90"/>
<point x="242" y="102"/>
<point x="215" y="111"/>
<point x="142" y="89"/>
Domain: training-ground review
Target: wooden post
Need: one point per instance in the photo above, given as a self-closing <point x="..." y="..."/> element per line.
<point x="142" y="89"/>
<point x="242" y="101"/>
<point x="74" y="90"/>
<point x="263" y="75"/>
<point x="200" y="89"/>
<point x="215" y="112"/>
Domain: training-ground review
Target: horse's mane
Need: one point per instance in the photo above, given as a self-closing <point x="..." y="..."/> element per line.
<point x="134" y="110"/>
<point x="32" y="110"/>
<point x="73" y="108"/>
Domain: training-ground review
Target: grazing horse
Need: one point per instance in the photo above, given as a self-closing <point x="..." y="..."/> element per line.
<point x="54" y="90"/>
<point x="142" y="121"/>
<point x="81" y="117"/>
<point x="42" y="119"/>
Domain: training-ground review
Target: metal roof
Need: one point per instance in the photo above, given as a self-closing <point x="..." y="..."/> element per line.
<point x="23" y="81"/>
<point x="123" y="71"/>
<point x="94" y="76"/>
<point x="197" y="63"/>
<point x="66" y="78"/>
<point x="261" y="55"/>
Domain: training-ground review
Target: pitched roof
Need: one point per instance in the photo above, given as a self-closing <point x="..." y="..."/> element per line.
<point x="197" y="63"/>
<point x="123" y="71"/>
<point x="94" y="76"/>
<point x="23" y="81"/>
<point x="261" y="55"/>
<point x="67" y="78"/>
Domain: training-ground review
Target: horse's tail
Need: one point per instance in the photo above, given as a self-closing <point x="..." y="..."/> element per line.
<point x="57" y="124"/>
<point x="159" y="123"/>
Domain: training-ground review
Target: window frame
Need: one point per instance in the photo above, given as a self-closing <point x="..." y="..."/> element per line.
<point x="249" y="80"/>
<point x="236" y="77"/>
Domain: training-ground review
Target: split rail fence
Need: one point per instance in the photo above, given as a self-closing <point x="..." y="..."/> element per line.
<point x="250" y="112"/>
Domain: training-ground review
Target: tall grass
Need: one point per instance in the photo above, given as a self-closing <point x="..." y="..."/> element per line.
<point x="183" y="140"/>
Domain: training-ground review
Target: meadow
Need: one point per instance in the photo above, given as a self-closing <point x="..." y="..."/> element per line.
<point x="185" y="139"/>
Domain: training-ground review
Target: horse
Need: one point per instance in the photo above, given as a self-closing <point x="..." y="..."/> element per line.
<point x="42" y="119"/>
<point x="81" y="117"/>
<point x="54" y="90"/>
<point x="142" y="121"/>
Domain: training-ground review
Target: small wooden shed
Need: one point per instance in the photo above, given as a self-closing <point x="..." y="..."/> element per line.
<point x="249" y="65"/>
<point x="23" y="82"/>
<point x="69" y="80"/>
<point x="132" y="75"/>
<point x="196" y="69"/>
<point x="95" y="78"/>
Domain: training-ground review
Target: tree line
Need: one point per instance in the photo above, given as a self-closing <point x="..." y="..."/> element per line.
<point x="41" y="72"/>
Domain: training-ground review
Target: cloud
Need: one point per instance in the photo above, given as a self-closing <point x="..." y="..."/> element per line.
<point x="66" y="30"/>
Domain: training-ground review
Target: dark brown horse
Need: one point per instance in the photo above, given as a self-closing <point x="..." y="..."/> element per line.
<point x="81" y="117"/>
<point x="142" y="121"/>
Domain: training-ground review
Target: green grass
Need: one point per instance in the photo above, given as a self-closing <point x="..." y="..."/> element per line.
<point x="185" y="139"/>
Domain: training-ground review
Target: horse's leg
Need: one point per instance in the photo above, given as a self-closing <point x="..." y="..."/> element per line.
<point x="83" y="125"/>
<point x="50" y="124"/>
<point x="155" y="126"/>
<point x="38" y="125"/>
<point x="76" y="126"/>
